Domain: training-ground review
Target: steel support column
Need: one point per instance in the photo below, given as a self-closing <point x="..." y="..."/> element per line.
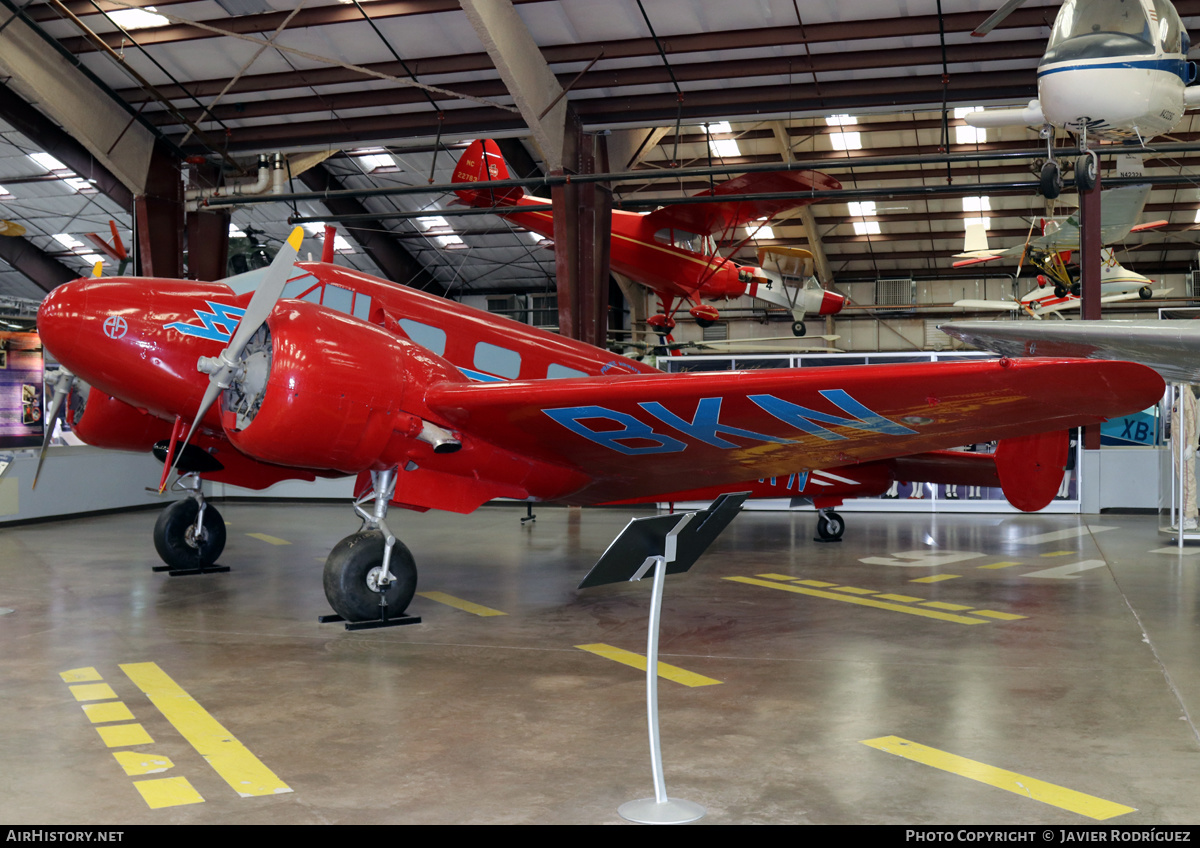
<point x="158" y="219"/>
<point x="582" y="232"/>
<point x="208" y="236"/>
<point x="1090" y="245"/>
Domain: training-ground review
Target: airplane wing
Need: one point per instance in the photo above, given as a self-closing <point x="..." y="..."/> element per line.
<point x="1120" y="209"/>
<point x="1172" y="348"/>
<point x="710" y="218"/>
<point x="621" y="437"/>
<point x="1001" y="305"/>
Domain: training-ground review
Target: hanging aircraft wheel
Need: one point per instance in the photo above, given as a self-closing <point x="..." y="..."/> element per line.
<point x="830" y="526"/>
<point x="1145" y="293"/>
<point x="1051" y="180"/>
<point x="704" y="323"/>
<point x="1060" y="290"/>
<point x="352" y="572"/>
<point x="1076" y="289"/>
<point x="798" y="328"/>
<point x="1087" y="166"/>
<point x="175" y="535"/>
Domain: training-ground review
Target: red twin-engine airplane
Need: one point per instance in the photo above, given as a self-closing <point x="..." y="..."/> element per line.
<point x="325" y="371"/>
<point x="672" y="250"/>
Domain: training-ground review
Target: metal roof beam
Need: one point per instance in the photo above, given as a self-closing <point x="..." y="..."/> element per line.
<point x="42" y="269"/>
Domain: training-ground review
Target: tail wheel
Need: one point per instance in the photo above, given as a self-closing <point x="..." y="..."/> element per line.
<point x="798" y="328"/>
<point x="352" y="573"/>
<point x="1145" y="293"/>
<point x="830" y="526"/>
<point x="178" y="543"/>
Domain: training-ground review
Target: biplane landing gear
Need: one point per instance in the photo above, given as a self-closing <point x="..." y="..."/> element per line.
<point x="190" y="534"/>
<point x="798" y="328"/>
<point x="830" y="526"/>
<point x="1050" y="183"/>
<point x="370" y="576"/>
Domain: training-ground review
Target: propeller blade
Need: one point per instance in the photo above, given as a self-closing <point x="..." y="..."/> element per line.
<point x="62" y="387"/>
<point x="222" y="367"/>
<point x="995" y="20"/>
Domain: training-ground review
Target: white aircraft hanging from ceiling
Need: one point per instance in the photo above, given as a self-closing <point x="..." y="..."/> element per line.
<point x="1113" y="69"/>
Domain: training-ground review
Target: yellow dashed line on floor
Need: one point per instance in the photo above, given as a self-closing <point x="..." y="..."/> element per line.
<point x="666" y="671"/>
<point x="270" y="540"/>
<point x="1058" y="553"/>
<point x="1027" y="787"/>
<point x="124" y="735"/>
<point x="459" y="603"/>
<point x="936" y="578"/>
<point x="1000" y="565"/>
<point x="168" y="792"/>
<point x="877" y="599"/>
<point x="243" y="771"/>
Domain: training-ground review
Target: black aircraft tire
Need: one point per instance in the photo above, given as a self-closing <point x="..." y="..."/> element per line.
<point x="1076" y="289"/>
<point x="1051" y="181"/>
<point x="173" y="536"/>
<point x="348" y="568"/>
<point x="1145" y="293"/>
<point x="704" y="323"/>
<point x="1086" y="169"/>
<point x="798" y="328"/>
<point x="830" y="526"/>
<point x="1060" y="290"/>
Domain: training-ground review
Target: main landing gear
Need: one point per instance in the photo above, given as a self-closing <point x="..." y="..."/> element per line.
<point x="370" y="576"/>
<point x="190" y="534"/>
<point x="830" y="526"/>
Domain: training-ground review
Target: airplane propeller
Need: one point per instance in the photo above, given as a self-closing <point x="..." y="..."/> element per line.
<point x="224" y="368"/>
<point x="63" y="381"/>
<point x="997" y="17"/>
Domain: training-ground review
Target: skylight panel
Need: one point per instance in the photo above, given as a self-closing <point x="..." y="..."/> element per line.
<point x="5" y="194"/>
<point x="977" y="204"/>
<point x="80" y="185"/>
<point x="68" y="241"/>
<point x="142" y="18"/>
<point x="722" y="146"/>
<point x="846" y="140"/>
<point x="375" y="160"/>
<point x="965" y="134"/>
<point x="45" y="160"/>
<point x="866" y="228"/>
<point x="841" y="120"/>
<point x="865" y="209"/>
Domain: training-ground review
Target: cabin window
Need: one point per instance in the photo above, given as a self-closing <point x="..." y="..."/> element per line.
<point x="562" y="372"/>
<point x="339" y="299"/>
<point x="303" y="288"/>
<point x="362" y="306"/>
<point x="497" y="360"/>
<point x="432" y="339"/>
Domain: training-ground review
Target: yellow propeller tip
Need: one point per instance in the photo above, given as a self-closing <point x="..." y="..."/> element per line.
<point x="295" y="238"/>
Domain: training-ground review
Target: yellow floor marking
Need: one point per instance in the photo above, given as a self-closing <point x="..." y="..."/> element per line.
<point x="107" y="711"/>
<point x="80" y="675"/>
<point x="1000" y="565"/>
<point x="853" y="590"/>
<point x="459" y="603"/>
<point x="777" y="576"/>
<point x="228" y="757"/>
<point x="168" y="792"/>
<point x="92" y="692"/>
<point x="820" y="584"/>
<point x="904" y="598"/>
<point x="124" y="735"/>
<point x="936" y="578"/>
<point x="669" y="672"/>
<point x="1059" y="553"/>
<point x="137" y="764"/>
<point x="866" y="602"/>
<point x="946" y="606"/>
<point x="271" y="540"/>
<point x="1003" y="616"/>
<point x="1028" y="787"/>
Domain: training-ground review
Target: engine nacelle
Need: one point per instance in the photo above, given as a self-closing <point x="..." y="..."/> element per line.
<point x="322" y="390"/>
<point x="105" y="422"/>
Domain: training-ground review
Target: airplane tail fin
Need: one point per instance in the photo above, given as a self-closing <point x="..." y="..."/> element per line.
<point x="482" y="162"/>
<point x="1031" y="468"/>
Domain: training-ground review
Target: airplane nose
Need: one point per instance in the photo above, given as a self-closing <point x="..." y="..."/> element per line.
<point x="831" y="303"/>
<point x="60" y="317"/>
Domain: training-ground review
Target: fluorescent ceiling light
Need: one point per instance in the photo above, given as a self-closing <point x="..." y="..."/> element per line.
<point x="48" y="162"/>
<point x="142" y="18"/>
<point x="846" y="140"/>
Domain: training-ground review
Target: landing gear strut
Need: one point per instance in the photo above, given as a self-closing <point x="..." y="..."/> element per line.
<point x="370" y="576"/>
<point x="190" y="534"/>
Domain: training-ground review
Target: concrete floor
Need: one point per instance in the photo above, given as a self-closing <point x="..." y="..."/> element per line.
<point x="1069" y="659"/>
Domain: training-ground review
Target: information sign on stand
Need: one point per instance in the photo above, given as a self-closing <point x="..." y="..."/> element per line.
<point x="669" y="544"/>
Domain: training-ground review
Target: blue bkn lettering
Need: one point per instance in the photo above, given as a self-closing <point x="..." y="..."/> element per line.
<point x="572" y="417"/>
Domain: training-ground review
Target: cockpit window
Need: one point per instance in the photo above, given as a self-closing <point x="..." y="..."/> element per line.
<point x="1091" y="17"/>
<point x="691" y="242"/>
<point x="1169" y="36"/>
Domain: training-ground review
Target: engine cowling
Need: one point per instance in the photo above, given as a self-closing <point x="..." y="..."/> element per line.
<point x="105" y="422"/>
<point x="317" y="389"/>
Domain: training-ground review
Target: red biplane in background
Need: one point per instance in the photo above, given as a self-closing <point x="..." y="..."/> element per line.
<point x="672" y="250"/>
<point x="326" y="371"/>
